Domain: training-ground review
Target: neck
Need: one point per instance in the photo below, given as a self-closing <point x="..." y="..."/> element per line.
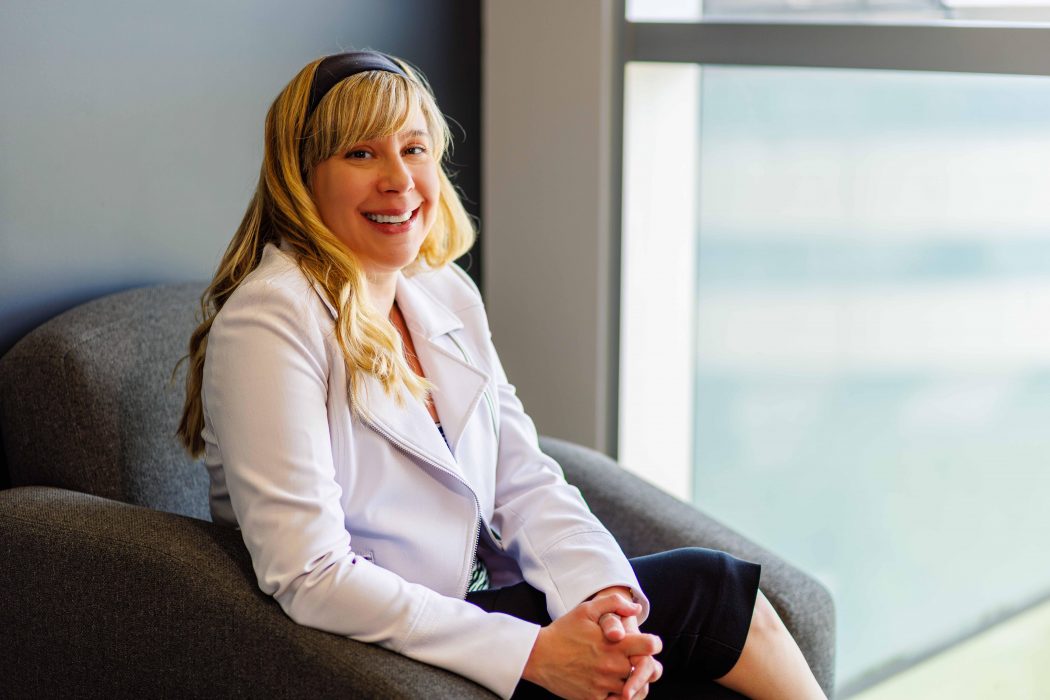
<point x="381" y="291"/>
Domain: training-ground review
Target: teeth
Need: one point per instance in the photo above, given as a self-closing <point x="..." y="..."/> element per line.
<point x="385" y="219"/>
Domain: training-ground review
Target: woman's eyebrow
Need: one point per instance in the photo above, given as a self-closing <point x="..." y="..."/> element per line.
<point x="416" y="133"/>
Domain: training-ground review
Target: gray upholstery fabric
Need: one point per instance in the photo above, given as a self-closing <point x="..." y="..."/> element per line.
<point x="108" y="600"/>
<point x="87" y="401"/>
<point x="102" y="598"/>
<point x="645" y="520"/>
<point x="5" y="480"/>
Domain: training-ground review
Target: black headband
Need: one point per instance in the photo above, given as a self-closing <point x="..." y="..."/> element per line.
<point x="334" y="68"/>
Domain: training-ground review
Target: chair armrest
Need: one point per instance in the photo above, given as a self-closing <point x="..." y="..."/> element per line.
<point x="103" y="599"/>
<point x="645" y="520"/>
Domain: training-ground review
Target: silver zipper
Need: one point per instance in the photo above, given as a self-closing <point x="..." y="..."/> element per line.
<point x="371" y="423"/>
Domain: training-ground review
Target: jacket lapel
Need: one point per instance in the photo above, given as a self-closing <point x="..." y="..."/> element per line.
<point x="406" y="424"/>
<point x="458" y="385"/>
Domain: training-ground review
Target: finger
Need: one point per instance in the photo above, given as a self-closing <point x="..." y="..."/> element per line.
<point x="641" y="644"/>
<point x="616" y="604"/>
<point x="639" y="677"/>
<point x="612" y="627"/>
<point x="630" y="625"/>
<point x="656" y="671"/>
<point x="613" y="685"/>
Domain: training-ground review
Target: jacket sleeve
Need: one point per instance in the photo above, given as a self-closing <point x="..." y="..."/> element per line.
<point x="543" y="521"/>
<point x="265" y="396"/>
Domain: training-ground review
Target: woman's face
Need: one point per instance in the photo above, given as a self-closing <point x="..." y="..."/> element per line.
<point x="380" y="198"/>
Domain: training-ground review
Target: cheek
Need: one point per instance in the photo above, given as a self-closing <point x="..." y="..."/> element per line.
<point x="429" y="183"/>
<point x="433" y="192"/>
<point x="330" y="199"/>
<point x="435" y="210"/>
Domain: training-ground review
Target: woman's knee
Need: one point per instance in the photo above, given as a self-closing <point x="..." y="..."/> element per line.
<point x="696" y="562"/>
<point x="765" y="622"/>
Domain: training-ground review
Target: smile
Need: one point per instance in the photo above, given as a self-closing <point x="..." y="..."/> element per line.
<point x="390" y="218"/>
<point x="393" y="222"/>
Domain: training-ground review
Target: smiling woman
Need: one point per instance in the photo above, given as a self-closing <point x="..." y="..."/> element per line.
<point x="380" y="198"/>
<point x="359" y="430"/>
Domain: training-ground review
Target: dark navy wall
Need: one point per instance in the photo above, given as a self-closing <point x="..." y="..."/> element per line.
<point x="131" y="131"/>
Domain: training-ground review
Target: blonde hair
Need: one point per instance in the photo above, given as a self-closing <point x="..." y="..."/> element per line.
<point x="365" y="106"/>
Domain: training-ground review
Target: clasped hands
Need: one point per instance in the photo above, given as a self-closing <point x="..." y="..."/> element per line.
<point x="596" y="651"/>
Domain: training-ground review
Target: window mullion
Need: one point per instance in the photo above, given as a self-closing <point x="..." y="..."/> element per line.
<point x="932" y="46"/>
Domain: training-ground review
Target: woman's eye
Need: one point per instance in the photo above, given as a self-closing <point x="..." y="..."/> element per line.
<point x="358" y="154"/>
<point x="415" y="150"/>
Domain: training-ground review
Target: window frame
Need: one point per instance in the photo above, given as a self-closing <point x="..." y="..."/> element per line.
<point x="943" y="45"/>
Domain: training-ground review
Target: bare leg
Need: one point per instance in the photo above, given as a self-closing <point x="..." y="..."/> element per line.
<point x="771" y="665"/>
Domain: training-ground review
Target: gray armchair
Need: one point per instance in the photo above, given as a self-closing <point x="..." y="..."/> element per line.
<point x="114" y="583"/>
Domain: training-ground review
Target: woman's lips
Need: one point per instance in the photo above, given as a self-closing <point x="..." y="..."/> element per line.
<point x="393" y="229"/>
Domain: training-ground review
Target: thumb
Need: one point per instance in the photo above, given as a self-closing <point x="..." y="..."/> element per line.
<point x="616" y="604"/>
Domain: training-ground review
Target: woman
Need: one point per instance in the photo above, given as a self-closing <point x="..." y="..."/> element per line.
<point x="358" y="428"/>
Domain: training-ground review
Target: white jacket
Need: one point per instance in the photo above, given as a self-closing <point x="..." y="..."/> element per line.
<point x="368" y="527"/>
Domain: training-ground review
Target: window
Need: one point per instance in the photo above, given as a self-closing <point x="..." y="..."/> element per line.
<point x="843" y="246"/>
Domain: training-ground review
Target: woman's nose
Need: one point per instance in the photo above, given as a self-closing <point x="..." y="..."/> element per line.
<point x="396" y="177"/>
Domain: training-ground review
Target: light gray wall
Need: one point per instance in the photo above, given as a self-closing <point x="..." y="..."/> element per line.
<point x="551" y="93"/>
<point x="131" y="131"/>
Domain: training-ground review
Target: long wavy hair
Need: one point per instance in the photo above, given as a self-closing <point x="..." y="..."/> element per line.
<point x="365" y="106"/>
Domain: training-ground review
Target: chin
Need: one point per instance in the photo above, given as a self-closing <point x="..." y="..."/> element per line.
<point x="400" y="263"/>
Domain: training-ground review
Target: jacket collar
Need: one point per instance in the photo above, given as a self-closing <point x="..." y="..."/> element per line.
<point x="423" y="312"/>
<point x="425" y="315"/>
<point x="458" y="384"/>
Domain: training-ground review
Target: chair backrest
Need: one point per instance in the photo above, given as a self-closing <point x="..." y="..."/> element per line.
<point x="88" y="403"/>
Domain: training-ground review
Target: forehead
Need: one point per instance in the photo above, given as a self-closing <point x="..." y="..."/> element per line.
<point x="415" y="122"/>
<point x="414" y="125"/>
<point x="356" y="117"/>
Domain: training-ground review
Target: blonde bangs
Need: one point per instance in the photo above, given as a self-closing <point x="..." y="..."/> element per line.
<point x="369" y="106"/>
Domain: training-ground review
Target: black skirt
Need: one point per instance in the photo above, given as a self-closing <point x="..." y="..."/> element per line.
<point x="701" y="602"/>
